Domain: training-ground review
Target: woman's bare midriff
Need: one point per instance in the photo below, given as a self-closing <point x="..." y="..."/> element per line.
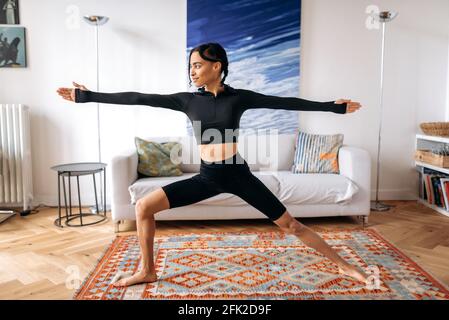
<point x="217" y="152"/>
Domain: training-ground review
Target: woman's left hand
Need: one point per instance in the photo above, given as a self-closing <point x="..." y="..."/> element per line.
<point x="352" y="106"/>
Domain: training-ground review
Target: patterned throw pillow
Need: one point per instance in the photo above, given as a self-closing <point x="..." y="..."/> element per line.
<point x="154" y="158"/>
<point x="316" y="153"/>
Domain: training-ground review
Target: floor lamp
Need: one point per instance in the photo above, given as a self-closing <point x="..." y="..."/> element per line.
<point x="383" y="17"/>
<point x="97" y="21"/>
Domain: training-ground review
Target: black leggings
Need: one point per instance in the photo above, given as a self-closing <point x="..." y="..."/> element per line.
<point x="231" y="175"/>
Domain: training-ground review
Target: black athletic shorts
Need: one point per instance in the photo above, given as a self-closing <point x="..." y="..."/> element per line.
<point x="231" y="175"/>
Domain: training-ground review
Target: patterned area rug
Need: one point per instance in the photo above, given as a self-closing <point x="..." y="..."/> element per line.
<point x="262" y="265"/>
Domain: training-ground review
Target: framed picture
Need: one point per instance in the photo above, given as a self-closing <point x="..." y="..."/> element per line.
<point x="12" y="47"/>
<point x="9" y="12"/>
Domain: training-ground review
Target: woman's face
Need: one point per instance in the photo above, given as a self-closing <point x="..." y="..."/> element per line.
<point x="203" y="72"/>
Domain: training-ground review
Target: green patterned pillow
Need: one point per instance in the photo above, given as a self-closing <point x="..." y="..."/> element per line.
<point x="154" y="158"/>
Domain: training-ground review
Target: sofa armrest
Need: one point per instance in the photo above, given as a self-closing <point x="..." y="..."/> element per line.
<point x="123" y="174"/>
<point x="355" y="164"/>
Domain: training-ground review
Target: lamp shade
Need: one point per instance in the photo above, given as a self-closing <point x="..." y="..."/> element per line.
<point x="385" y="16"/>
<point x="96" y="20"/>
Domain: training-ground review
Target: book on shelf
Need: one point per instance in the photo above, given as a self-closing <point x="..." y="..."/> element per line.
<point x="434" y="187"/>
<point x="445" y="187"/>
<point x="428" y="186"/>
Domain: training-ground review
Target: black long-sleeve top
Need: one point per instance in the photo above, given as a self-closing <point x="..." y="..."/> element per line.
<point x="215" y="119"/>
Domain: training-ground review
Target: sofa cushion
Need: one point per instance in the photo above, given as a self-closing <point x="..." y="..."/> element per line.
<point x="156" y="159"/>
<point x="317" y="153"/>
<point x="190" y="157"/>
<point x="268" y="152"/>
<point x="290" y="188"/>
<point x="145" y="185"/>
<point x="314" y="188"/>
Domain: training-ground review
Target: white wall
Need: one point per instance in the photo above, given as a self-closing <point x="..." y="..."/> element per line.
<point x="142" y="48"/>
<point x="341" y="57"/>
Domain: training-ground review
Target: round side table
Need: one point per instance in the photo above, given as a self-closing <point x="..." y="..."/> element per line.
<point x="70" y="170"/>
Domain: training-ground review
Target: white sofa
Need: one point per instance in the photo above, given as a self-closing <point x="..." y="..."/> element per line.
<point x="304" y="195"/>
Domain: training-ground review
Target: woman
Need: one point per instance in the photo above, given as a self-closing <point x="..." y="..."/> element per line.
<point x="215" y="106"/>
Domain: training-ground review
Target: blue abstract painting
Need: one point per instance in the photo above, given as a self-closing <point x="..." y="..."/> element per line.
<point x="262" y="40"/>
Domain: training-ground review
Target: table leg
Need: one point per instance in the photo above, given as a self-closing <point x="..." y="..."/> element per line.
<point x="70" y="197"/>
<point x="79" y="199"/>
<point x="65" y="198"/>
<point x="59" y="200"/>
<point x="104" y="179"/>
<point x="95" y="191"/>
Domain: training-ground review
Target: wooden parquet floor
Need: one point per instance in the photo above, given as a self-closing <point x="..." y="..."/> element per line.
<point x="41" y="261"/>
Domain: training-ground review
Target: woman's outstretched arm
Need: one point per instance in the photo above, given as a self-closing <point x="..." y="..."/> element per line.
<point x="80" y="94"/>
<point x="254" y="100"/>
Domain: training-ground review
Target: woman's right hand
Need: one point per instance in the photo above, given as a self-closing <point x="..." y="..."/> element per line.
<point x="69" y="93"/>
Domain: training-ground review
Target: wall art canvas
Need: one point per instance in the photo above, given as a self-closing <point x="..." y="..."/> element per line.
<point x="12" y="47"/>
<point x="262" y="40"/>
<point x="9" y="12"/>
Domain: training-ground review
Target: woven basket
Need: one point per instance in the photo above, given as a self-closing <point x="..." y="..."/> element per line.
<point x="435" y="128"/>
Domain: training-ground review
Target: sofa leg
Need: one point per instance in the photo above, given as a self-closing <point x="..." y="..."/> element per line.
<point x="117" y="226"/>
<point x="364" y="221"/>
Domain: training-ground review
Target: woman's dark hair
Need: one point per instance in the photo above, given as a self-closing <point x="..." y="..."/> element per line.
<point x="211" y="52"/>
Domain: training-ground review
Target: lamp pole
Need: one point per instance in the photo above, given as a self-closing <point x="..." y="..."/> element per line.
<point x="97" y="21"/>
<point x="383" y="17"/>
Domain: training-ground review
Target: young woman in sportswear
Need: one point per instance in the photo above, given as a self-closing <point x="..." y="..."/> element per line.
<point x="217" y="107"/>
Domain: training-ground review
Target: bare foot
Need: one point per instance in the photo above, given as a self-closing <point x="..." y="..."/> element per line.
<point x="354" y="272"/>
<point x="138" y="277"/>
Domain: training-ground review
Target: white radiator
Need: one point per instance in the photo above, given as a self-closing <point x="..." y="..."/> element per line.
<point x="16" y="184"/>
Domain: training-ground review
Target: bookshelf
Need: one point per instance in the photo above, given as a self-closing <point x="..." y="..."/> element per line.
<point x="427" y="142"/>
